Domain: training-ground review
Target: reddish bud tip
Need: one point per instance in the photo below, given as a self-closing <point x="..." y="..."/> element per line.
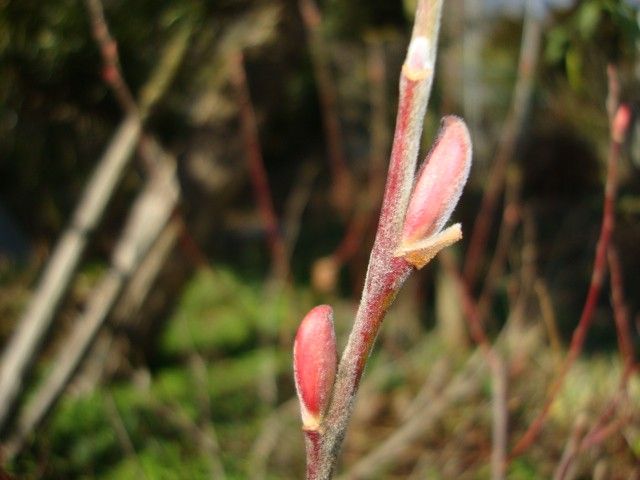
<point x="419" y="58"/>
<point x="440" y="182"/>
<point x="621" y="122"/>
<point x="314" y="363"/>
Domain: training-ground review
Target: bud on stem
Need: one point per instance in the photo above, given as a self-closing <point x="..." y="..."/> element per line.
<point x="314" y="364"/>
<point x="435" y="195"/>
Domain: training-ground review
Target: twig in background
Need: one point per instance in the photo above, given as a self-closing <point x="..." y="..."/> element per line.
<point x="496" y="366"/>
<point x="159" y="81"/>
<point x="529" y="52"/>
<point x="601" y="429"/>
<point x="112" y="71"/>
<point x="176" y="415"/>
<point x="618" y="133"/>
<point x="620" y="311"/>
<point x="58" y="272"/>
<point x="548" y="316"/>
<point x="148" y="216"/>
<point x="461" y="387"/>
<point x="511" y="217"/>
<point x="267" y="440"/>
<point x="281" y="244"/>
<point x="121" y="432"/>
<point x="199" y="370"/>
<point x="328" y="97"/>
<point x="565" y="470"/>
<point x="326" y="269"/>
<point x="255" y="163"/>
<point x="34" y="323"/>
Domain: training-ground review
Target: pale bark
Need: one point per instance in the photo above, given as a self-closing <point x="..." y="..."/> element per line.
<point x="55" y="279"/>
<point x="149" y="214"/>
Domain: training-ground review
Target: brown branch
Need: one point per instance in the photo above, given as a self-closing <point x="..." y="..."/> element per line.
<point x="510" y="220"/>
<point x="122" y="434"/>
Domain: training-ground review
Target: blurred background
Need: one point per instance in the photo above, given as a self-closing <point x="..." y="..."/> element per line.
<point x="182" y="180"/>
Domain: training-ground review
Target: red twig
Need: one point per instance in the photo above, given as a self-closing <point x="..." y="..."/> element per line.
<point x="255" y="162"/>
<point x="112" y="72"/>
<point x="328" y="98"/>
<point x="599" y="270"/>
<point x="620" y="311"/>
<point x="387" y="272"/>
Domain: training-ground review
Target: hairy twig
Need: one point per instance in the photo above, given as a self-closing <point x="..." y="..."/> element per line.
<point x="386" y="272"/>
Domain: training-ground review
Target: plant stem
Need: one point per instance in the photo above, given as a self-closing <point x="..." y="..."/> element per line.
<point x="386" y="273"/>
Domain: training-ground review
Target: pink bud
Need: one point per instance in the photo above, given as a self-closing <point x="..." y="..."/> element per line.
<point x="621" y="122"/>
<point x="440" y="182"/>
<point x="314" y="363"/>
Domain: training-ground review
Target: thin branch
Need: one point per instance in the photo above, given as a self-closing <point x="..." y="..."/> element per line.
<point x="599" y="270"/>
<point x="255" y="162"/>
<point x="548" y="316"/>
<point x="112" y="71"/>
<point x="360" y="223"/>
<point x="267" y="440"/>
<point x="496" y="365"/>
<point x="571" y="449"/>
<point x="529" y="52"/>
<point x="511" y="217"/>
<point x="121" y="432"/>
<point x="620" y="311"/>
<point x="460" y="388"/>
<point x="328" y="97"/>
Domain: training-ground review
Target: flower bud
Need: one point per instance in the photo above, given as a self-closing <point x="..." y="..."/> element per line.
<point x="621" y="122"/>
<point x="314" y="364"/>
<point x="440" y="182"/>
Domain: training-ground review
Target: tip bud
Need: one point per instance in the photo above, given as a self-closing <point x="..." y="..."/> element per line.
<point x="440" y="182"/>
<point x="314" y="364"/>
<point x="419" y="58"/>
<point x="621" y="122"/>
